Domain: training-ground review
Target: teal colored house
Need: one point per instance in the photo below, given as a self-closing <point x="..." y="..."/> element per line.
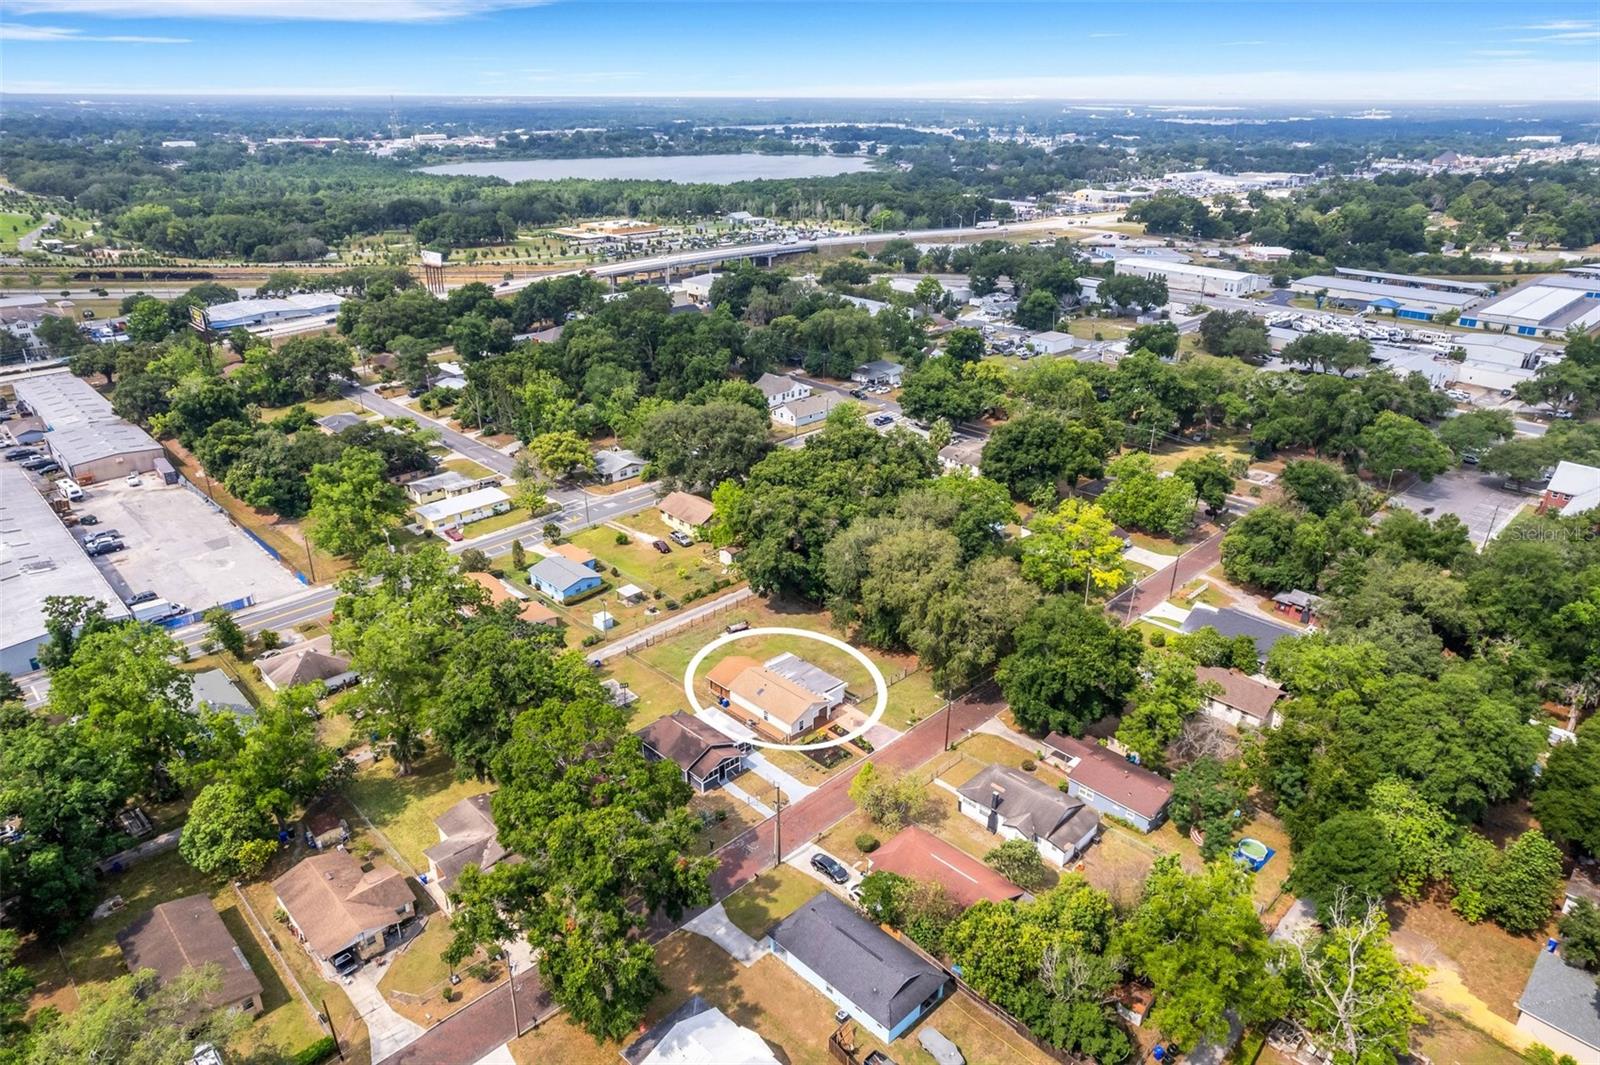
<point x="562" y="579"/>
<point x="884" y="985"/>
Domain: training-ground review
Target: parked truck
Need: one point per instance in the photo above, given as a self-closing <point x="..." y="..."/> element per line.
<point x="156" y="610"/>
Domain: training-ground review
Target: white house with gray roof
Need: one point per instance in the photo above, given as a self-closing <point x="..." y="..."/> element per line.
<point x="1560" y="1007"/>
<point x="781" y="390"/>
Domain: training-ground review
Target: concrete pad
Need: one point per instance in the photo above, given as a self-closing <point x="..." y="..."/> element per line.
<point x="715" y="925"/>
<point x="1479" y="500"/>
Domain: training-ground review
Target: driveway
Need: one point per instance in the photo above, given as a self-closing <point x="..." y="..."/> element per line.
<point x="716" y="926"/>
<point x="1480" y="501"/>
<point x="759" y="765"/>
<point x="801" y="860"/>
<point x="387" y="1030"/>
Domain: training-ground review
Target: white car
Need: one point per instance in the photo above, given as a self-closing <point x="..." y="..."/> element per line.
<point x="133" y="480"/>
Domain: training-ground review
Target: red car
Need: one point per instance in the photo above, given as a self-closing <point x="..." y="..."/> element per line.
<point x="662" y="546"/>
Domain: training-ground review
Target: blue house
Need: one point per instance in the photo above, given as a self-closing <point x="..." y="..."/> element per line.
<point x="562" y="579"/>
<point x="884" y="985"/>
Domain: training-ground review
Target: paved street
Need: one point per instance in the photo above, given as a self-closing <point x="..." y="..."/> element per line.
<point x="1155" y="588"/>
<point x="479" y="1027"/>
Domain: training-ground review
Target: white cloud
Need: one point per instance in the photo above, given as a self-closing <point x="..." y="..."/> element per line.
<point x="310" y="10"/>
<point x="1562" y="24"/>
<point x="18" y="31"/>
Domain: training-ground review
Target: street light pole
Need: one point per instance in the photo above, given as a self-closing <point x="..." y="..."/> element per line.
<point x="511" y="978"/>
<point x="777" y="824"/>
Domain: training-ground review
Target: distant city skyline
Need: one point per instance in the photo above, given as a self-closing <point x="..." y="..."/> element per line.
<point x="1129" y="52"/>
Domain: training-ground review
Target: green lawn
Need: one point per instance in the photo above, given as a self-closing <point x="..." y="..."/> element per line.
<point x="677" y="574"/>
<point x="403" y="807"/>
<point x="467" y="468"/>
<point x="769" y="898"/>
<point x="91" y="955"/>
<point x="495" y="523"/>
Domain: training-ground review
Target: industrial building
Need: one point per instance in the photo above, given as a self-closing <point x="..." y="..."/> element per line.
<point x="1436" y="284"/>
<point x="39" y="558"/>
<point x="1405" y="300"/>
<point x="245" y="314"/>
<point x="1546" y="308"/>
<point x="1187" y="279"/>
<point x="83" y="433"/>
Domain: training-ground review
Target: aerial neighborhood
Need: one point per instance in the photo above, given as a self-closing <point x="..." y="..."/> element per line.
<point x="576" y="569"/>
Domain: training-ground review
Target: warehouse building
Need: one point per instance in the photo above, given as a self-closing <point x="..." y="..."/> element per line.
<point x="245" y="314"/>
<point x="1436" y="284"/>
<point x="83" y="433"/>
<point x="1547" y="308"/>
<point x="39" y="557"/>
<point x="1187" y="279"/>
<point x="1405" y="301"/>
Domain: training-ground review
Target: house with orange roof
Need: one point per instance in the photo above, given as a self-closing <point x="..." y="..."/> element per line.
<point x="774" y="704"/>
<point x="532" y="611"/>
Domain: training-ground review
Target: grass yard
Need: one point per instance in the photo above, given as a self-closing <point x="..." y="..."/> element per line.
<point x="1492" y="963"/>
<point x="495" y="523"/>
<point x="769" y="898"/>
<point x="677" y="574"/>
<point x="415" y="979"/>
<point x="466" y="467"/>
<point x="1447" y="1039"/>
<point x="320" y="408"/>
<point x="403" y="807"/>
<point x="91" y="957"/>
<point x="1108" y="328"/>
<point x="735" y="815"/>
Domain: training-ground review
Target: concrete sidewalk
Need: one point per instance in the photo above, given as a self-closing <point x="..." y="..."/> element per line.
<point x="749" y="800"/>
<point x="717" y="926"/>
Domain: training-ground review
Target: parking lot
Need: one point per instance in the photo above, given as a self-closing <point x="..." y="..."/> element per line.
<point x="1477" y="499"/>
<point x="178" y="547"/>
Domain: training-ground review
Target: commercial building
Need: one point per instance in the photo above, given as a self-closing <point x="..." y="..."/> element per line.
<point x="1012" y="805"/>
<point x="1405" y="301"/>
<point x="39" y="558"/>
<point x="1187" y="279"/>
<point x="883" y="984"/>
<point x="1109" y="782"/>
<point x="83" y="433"/>
<point x="247" y="314"/>
<point x="1434" y="284"/>
<point x="187" y="934"/>
<point x="1573" y="489"/>
<point x="707" y="758"/>
<point x="452" y="512"/>
<point x="1548" y="307"/>
<point x="1267" y="253"/>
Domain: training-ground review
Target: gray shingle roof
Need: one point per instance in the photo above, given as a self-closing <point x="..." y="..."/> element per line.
<point x="881" y="976"/>
<point x="1564" y="997"/>
<point x="1231" y="622"/>
<point x="1035" y="809"/>
<point x="559" y="572"/>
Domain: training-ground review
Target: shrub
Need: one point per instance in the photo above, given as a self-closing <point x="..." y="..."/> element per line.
<point x="316" y="1053"/>
<point x="1028" y="765"/>
<point x="622" y="539"/>
<point x="1158" y="639"/>
<point x="866" y="842"/>
<point x="672" y="604"/>
<point x="270" y="639"/>
<point x="615" y="572"/>
<point x="592" y="639"/>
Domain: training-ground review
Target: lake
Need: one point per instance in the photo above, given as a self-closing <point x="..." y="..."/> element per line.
<point x="689" y="169"/>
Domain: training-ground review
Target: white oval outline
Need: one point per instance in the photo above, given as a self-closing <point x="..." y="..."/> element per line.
<point x="779" y="630"/>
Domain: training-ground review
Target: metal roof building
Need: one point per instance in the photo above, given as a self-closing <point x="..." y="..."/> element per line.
<point x="84" y="434"/>
<point x="1408" y="301"/>
<point x="1547" y="308"/>
<point x="39" y="557"/>
<point x="246" y="313"/>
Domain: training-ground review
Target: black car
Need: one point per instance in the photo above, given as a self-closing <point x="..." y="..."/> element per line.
<point x="140" y="597"/>
<point x="883" y="419"/>
<point x="37" y="462"/>
<point x="48" y="466"/>
<point x="830" y="868"/>
<point x="662" y="546"/>
<point x="88" y="519"/>
<point x="17" y="454"/>
<point x="345" y="964"/>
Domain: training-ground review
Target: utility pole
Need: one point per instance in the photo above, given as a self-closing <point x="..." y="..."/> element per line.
<point x="777" y="824"/>
<point x="331" y="1030"/>
<point x="949" y="707"/>
<point x="511" y="979"/>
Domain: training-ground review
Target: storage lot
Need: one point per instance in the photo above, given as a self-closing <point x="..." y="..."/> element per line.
<point x="1477" y="499"/>
<point x="178" y="547"/>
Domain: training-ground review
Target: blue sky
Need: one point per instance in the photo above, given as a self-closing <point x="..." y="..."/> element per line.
<point x="1274" y="50"/>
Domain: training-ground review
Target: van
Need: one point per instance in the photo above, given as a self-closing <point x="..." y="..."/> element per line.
<point x="155" y="610"/>
<point x="70" y="490"/>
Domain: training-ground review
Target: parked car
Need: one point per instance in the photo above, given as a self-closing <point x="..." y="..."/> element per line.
<point x="133" y="480"/>
<point x="51" y="466"/>
<point x="830" y="867"/>
<point x="105" y="547"/>
<point x="17" y="454"/>
<point x="104" y="534"/>
<point x="140" y="597"/>
<point x="682" y="539"/>
<point x="345" y="964"/>
<point x="883" y="419"/>
<point x="36" y="461"/>
<point x="88" y="519"/>
<point x="662" y="546"/>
